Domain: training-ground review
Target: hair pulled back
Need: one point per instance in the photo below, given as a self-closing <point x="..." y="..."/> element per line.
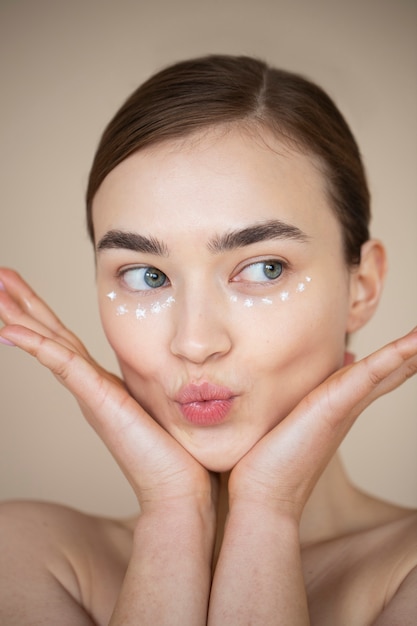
<point x="218" y="89"/>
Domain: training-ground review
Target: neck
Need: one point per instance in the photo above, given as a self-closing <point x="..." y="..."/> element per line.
<point x="327" y="512"/>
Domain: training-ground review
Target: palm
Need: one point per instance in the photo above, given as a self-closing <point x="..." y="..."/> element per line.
<point x="154" y="463"/>
<point x="285" y="465"/>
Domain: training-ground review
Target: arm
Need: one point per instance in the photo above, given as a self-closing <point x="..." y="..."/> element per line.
<point x="169" y="575"/>
<point x="169" y="572"/>
<point x="258" y="579"/>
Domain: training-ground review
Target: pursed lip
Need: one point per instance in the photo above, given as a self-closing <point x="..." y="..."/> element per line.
<point x="205" y="404"/>
<point x="203" y="392"/>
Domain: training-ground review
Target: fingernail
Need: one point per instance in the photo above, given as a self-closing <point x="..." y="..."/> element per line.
<point x="6" y="342"/>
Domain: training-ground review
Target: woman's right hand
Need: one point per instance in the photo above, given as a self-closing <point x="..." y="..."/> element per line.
<point x="157" y="467"/>
<point x="174" y="535"/>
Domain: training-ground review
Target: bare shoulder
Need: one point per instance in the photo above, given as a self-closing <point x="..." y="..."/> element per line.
<point x="392" y="541"/>
<point x="53" y="555"/>
<point x="400" y="545"/>
<point x="368" y="575"/>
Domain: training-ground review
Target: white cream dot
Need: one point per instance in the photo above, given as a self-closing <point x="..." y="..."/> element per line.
<point x="156" y="308"/>
<point x="168" y="302"/>
<point x="112" y="295"/>
<point x="140" y="313"/>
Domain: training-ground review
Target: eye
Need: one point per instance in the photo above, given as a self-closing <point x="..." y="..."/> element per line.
<point x="143" y="278"/>
<point x="262" y="271"/>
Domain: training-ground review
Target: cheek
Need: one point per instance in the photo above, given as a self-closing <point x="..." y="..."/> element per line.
<point x="304" y="326"/>
<point x="135" y="330"/>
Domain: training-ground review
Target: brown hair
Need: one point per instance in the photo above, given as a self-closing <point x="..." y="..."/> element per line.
<point x="217" y="89"/>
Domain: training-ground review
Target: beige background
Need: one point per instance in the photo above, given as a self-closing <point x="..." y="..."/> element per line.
<point x="65" y="68"/>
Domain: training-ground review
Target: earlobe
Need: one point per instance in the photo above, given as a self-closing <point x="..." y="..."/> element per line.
<point x="366" y="283"/>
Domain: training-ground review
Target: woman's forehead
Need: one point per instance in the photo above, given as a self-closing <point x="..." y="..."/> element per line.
<point x="217" y="178"/>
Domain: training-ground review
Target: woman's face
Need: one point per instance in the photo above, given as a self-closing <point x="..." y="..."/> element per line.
<point x="222" y="286"/>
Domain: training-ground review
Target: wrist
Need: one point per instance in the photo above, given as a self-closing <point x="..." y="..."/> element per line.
<point x="187" y="521"/>
<point x="271" y="514"/>
<point x="268" y="494"/>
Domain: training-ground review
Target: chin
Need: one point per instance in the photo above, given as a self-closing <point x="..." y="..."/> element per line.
<point x="216" y="462"/>
<point x="218" y="468"/>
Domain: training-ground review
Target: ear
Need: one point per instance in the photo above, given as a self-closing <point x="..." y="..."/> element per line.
<point x="366" y="282"/>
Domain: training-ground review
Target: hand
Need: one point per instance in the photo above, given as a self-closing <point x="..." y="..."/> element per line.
<point x="157" y="467"/>
<point x="283" y="467"/>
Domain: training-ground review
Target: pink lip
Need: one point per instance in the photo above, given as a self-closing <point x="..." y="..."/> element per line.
<point x="205" y="404"/>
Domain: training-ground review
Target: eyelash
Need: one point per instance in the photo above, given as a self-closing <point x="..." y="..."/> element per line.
<point x="284" y="266"/>
<point x="262" y="262"/>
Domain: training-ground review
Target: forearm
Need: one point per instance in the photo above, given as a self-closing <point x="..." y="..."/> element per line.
<point x="169" y="575"/>
<point x="258" y="579"/>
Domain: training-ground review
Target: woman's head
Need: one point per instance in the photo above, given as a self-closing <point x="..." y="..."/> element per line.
<point x="230" y="263"/>
<point x="194" y="95"/>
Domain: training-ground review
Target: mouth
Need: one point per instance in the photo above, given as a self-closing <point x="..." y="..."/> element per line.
<point x="205" y="404"/>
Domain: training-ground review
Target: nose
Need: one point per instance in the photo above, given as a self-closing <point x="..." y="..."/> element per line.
<point x="200" y="329"/>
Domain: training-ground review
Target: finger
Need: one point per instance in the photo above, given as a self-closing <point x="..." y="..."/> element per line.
<point x="331" y="409"/>
<point x="28" y="300"/>
<point x="127" y="430"/>
<point x="298" y="449"/>
<point x="357" y="386"/>
<point x="19" y="304"/>
<point x="11" y="313"/>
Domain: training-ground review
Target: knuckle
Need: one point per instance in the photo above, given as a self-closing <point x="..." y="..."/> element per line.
<point x="64" y="368"/>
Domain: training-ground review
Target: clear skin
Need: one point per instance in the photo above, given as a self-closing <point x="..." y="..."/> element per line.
<point x="297" y="531"/>
<point x="234" y="181"/>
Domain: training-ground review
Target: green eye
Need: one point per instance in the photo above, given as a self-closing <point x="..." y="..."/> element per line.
<point x="154" y="278"/>
<point x="261" y="272"/>
<point x="272" y="270"/>
<point x="144" y="278"/>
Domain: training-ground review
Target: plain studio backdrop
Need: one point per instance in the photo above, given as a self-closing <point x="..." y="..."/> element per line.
<point x="65" y="69"/>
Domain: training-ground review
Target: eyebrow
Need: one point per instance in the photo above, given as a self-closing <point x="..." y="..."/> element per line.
<point x="119" y="239"/>
<point x="239" y="238"/>
<point x="262" y="231"/>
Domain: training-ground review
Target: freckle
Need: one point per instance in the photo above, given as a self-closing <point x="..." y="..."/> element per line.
<point x="284" y="295"/>
<point x="140" y="313"/>
<point x="156" y="308"/>
<point x="248" y="302"/>
<point x="112" y="295"/>
<point x="121" y="310"/>
<point x="300" y="287"/>
<point x="266" y="300"/>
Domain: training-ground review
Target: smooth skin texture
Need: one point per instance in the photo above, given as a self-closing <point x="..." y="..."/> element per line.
<point x="267" y="528"/>
<point x="186" y="198"/>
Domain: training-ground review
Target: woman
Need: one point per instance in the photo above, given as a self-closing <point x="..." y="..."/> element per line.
<point x="229" y="211"/>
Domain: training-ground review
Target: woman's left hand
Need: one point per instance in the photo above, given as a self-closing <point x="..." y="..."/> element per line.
<point x="284" y="466"/>
<point x="259" y="577"/>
